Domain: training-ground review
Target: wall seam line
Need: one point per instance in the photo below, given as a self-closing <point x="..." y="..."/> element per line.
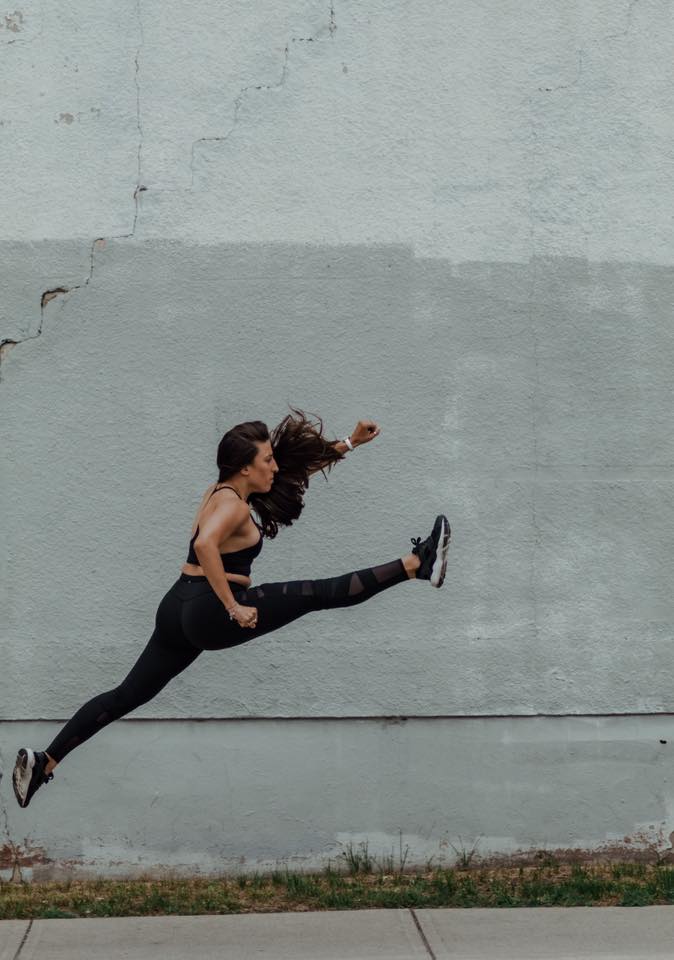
<point x="386" y="718"/>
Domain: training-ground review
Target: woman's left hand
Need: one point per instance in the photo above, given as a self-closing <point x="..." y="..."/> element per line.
<point x="364" y="431"/>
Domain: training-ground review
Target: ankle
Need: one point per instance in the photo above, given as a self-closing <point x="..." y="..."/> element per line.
<point x="411" y="564"/>
<point x="50" y="764"/>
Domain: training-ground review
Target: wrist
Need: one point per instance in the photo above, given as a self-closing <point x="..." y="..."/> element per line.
<point x="349" y="443"/>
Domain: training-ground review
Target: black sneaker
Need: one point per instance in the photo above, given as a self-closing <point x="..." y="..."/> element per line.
<point x="29" y="775"/>
<point x="433" y="552"/>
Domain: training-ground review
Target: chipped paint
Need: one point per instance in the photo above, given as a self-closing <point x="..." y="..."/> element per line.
<point x="17" y="856"/>
<point x="14" y="21"/>
<point x="50" y="295"/>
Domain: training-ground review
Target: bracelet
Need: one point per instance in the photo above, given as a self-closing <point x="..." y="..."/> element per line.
<point x="230" y="609"/>
<point x="347" y="441"/>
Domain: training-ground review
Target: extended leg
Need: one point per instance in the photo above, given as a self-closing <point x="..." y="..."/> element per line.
<point x="157" y="665"/>
<point x="351" y="588"/>
<point x="280" y="603"/>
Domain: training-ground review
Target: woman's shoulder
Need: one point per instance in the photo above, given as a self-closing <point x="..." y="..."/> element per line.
<point x="214" y="498"/>
<point x="217" y="487"/>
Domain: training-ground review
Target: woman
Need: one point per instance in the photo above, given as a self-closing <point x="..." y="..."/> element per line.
<point x="213" y="604"/>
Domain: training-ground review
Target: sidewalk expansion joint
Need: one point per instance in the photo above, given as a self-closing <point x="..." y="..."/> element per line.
<point x="23" y="941"/>
<point x="421" y="934"/>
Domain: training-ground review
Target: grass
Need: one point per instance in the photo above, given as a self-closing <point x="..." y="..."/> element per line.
<point x="364" y="885"/>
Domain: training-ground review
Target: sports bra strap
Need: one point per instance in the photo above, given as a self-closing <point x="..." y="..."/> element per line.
<point x="225" y="486"/>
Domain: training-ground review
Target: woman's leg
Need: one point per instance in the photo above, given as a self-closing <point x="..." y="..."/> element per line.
<point x="156" y="666"/>
<point x="207" y="624"/>
<point x="167" y="654"/>
<point x="342" y="591"/>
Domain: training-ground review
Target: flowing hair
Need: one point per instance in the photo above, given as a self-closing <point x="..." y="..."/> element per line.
<point x="299" y="449"/>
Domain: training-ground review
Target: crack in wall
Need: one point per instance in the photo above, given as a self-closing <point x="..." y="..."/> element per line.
<point x="139" y="188"/>
<point x="534" y="427"/>
<point x="529" y="179"/>
<point x="630" y="15"/>
<point x="238" y="101"/>
<point x="581" y="52"/>
<point x="9" y="343"/>
<point x="237" y="106"/>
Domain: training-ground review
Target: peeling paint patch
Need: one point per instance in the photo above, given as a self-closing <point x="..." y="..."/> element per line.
<point x="16" y="856"/>
<point x="49" y="295"/>
<point x="22" y="26"/>
<point x="14" y="21"/>
<point x="19" y="857"/>
<point x="72" y="117"/>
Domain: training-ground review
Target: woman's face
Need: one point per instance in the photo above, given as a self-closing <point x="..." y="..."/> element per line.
<point x="261" y="471"/>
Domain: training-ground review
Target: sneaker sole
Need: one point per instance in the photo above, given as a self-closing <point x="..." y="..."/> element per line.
<point x="440" y="563"/>
<point x="25" y="761"/>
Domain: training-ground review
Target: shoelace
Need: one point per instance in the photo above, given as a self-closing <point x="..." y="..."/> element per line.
<point x="415" y="540"/>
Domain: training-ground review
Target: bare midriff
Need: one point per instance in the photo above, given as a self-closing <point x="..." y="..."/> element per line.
<point x="194" y="570"/>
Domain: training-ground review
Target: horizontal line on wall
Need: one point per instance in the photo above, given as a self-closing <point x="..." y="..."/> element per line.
<point x="390" y="718"/>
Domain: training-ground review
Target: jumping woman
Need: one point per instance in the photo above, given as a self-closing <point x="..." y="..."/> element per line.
<point x="213" y="605"/>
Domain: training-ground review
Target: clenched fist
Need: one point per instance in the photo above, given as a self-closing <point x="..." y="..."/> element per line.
<point x="364" y="431"/>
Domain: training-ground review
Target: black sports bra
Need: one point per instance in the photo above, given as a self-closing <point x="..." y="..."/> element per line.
<point x="239" y="561"/>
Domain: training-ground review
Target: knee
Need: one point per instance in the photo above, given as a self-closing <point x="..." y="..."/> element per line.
<point x="119" y="701"/>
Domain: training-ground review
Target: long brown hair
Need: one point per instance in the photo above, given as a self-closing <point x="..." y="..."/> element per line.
<point x="299" y="449"/>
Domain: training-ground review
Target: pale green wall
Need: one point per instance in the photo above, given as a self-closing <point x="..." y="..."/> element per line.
<point x="453" y="218"/>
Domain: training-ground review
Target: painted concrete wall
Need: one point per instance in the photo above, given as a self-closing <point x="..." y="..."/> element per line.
<point x="456" y="220"/>
<point x="245" y="796"/>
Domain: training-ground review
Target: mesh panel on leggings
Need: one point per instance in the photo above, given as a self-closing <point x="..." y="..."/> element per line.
<point x="343" y="590"/>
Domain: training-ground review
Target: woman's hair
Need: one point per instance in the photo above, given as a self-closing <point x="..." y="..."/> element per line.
<point x="299" y="449"/>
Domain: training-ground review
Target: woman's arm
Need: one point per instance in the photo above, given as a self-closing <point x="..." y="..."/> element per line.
<point x="216" y="527"/>
<point x="363" y="432"/>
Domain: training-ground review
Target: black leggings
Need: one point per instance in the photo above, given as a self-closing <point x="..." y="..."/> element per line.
<point x="191" y="618"/>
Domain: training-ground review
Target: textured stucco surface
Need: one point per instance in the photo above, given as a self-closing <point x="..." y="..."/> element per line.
<point x="530" y="402"/>
<point x="490" y="131"/>
<point x="454" y="219"/>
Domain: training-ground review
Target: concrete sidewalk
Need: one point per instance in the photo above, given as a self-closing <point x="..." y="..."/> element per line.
<point x="645" y="933"/>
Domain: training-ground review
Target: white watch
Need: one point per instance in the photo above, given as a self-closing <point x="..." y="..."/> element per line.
<point x="347" y="441"/>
